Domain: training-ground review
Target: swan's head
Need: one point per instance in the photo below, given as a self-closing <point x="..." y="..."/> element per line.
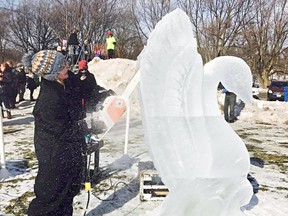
<point x="234" y="74"/>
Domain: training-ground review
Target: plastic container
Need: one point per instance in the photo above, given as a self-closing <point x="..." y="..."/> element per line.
<point x="286" y="93"/>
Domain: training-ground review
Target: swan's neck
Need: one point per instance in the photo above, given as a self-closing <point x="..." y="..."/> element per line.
<point x="210" y="99"/>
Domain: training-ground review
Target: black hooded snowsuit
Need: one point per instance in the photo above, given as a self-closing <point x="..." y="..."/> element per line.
<point x="58" y="141"/>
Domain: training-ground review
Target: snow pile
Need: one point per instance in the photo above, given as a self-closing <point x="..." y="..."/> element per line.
<point x="266" y="112"/>
<point x="115" y="74"/>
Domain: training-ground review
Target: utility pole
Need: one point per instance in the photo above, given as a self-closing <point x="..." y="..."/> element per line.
<point x="2" y="148"/>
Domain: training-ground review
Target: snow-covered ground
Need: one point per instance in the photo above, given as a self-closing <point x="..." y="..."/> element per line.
<point x="262" y="126"/>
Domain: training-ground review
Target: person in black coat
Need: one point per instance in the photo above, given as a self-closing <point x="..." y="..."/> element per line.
<point x="73" y="44"/>
<point x="14" y="85"/>
<point x="22" y="80"/>
<point x="6" y="90"/>
<point x="32" y="84"/>
<point x="87" y="85"/>
<point x="58" y="139"/>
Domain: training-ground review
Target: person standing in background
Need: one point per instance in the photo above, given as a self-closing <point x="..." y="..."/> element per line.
<point x="229" y="105"/>
<point x="86" y="51"/>
<point x="110" y="45"/>
<point x="5" y="88"/>
<point x="21" y="77"/>
<point x="87" y="87"/>
<point x="14" y="85"/>
<point x="73" y="44"/>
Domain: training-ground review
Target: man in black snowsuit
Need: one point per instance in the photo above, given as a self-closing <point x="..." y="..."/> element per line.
<point x="58" y="139"/>
<point x="72" y="89"/>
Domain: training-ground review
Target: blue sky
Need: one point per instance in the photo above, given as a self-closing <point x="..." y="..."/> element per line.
<point x="5" y="3"/>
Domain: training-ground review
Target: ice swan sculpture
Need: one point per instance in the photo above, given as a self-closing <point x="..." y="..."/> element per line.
<point x="200" y="158"/>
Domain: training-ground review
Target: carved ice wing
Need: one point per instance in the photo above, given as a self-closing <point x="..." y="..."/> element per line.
<point x="171" y="69"/>
<point x="170" y="86"/>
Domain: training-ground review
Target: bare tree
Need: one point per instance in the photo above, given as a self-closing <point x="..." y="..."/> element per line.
<point x="7" y="49"/>
<point x="88" y="16"/>
<point x="93" y="18"/>
<point x="217" y="24"/>
<point x="4" y="20"/>
<point x="129" y="41"/>
<point x="29" y="29"/>
<point x="147" y="13"/>
<point x="254" y="30"/>
<point x="266" y="38"/>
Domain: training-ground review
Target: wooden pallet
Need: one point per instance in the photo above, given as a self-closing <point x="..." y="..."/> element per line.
<point x="151" y="186"/>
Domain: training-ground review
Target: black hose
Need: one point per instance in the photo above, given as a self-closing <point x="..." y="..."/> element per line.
<point x="87" y="181"/>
